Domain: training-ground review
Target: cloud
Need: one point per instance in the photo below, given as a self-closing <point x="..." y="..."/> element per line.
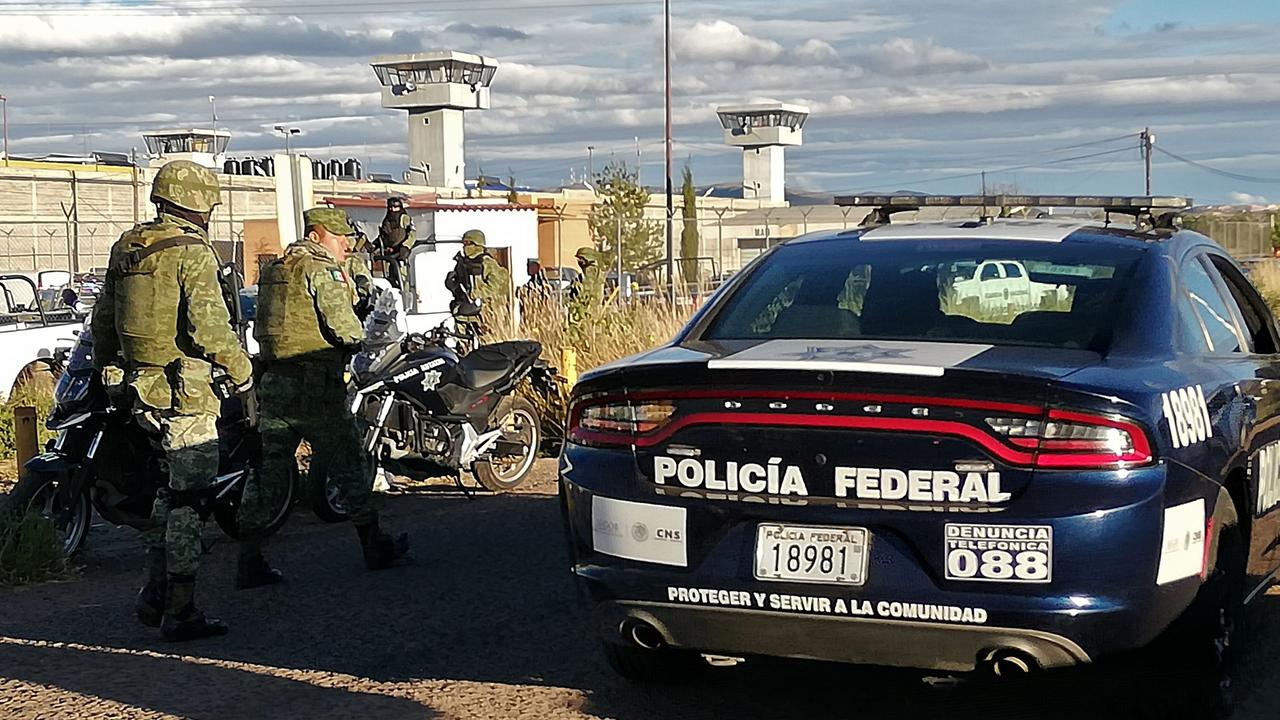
<point x="902" y="57"/>
<point x="721" y="41"/>
<point x="1243" y="198"/>
<point x="815" y="52"/>
<point x="488" y="32"/>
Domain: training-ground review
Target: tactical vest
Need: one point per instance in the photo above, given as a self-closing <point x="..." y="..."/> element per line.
<point x="394" y="230"/>
<point x="287" y="327"/>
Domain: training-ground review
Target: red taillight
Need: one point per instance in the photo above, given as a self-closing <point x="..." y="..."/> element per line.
<point x="1076" y="440"/>
<point x="617" y="421"/>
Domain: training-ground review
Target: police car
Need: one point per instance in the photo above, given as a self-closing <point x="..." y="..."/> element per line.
<point x="842" y="458"/>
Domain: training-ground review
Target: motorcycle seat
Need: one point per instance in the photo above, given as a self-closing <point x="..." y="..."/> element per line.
<point x="492" y="364"/>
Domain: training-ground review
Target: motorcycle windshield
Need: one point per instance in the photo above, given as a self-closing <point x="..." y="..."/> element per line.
<point x="81" y="357"/>
<point x="383" y="330"/>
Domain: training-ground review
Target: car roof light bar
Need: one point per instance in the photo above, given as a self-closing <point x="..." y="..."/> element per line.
<point x="1111" y="202"/>
<point x="1142" y="207"/>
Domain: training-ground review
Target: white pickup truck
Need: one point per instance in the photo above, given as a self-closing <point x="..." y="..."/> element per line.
<point x="1001" y="286"/>
<point x="30" y="336"/>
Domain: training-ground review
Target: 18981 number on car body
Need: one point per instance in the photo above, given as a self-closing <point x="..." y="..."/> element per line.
<point x="870" y="468"/>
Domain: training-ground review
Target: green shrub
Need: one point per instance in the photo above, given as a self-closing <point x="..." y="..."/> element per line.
<point x="30" y="550"/>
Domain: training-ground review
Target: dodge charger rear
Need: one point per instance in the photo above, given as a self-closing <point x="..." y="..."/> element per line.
<point x="843" y="458"/>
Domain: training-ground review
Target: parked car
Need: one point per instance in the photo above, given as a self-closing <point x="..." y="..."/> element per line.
<point x="30" y="336"/>
<point x="828" y="463"/>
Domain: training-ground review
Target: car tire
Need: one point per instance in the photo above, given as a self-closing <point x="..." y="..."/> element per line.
<point x="1189" y="671"/>
<point x="663" y="666"/>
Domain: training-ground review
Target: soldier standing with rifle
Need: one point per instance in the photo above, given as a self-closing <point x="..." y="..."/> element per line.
<point x="162" y="312"/>
<point x="396" y="236"/>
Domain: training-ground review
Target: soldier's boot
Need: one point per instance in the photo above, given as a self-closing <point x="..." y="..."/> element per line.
<point x="182" y="621"/>
<point x="381" y="550"/>
<point x="253" y="570"/>
<point x="149" y="607"/>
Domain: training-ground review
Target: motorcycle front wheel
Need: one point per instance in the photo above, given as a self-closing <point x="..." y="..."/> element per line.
<point x="38" y="492"/>
<point x="521" y="425"/>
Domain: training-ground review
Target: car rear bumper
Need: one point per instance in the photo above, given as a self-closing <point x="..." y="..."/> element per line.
<point x="952" y="648"/>
<point x="1104" y="597"/>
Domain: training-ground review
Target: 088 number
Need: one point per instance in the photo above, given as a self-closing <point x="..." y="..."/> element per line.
<point x="1023" y="566"/>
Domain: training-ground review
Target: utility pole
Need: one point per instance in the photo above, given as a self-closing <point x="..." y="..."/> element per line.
<point x="213" y="109"/>
<point x="638" y="162"/>
<point x="4" y="110"/>
<point x="671" y="210"/>
<point x="591" y="165"/>
<point x="1148" y="140"/>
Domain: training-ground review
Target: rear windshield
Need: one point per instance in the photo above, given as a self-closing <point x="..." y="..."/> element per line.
<point x="1002" y="292"/>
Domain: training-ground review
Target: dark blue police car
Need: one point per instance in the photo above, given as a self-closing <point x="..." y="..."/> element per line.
<point x="1001" y="444"/>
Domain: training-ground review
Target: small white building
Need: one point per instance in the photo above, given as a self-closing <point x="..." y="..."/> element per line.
<point x="511" y="235"/>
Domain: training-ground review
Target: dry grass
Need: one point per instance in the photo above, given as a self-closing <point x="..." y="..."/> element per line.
<point x="1266" y="277"/>
<point x="606" y="333"/>
<point x="38" y="395"/>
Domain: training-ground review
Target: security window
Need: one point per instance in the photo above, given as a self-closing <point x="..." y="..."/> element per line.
<point x="1211" y="308"/>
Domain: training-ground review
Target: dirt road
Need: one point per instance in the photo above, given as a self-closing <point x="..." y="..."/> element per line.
<point x="485" y="625"/>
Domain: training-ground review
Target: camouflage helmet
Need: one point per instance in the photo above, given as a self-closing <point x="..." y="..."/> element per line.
<point x="473" y="237"/>
<point x="588" y="254"/>
<point x="187" y="185"/>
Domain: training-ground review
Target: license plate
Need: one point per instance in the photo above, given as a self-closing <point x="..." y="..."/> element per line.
<point x="808" y="553"/>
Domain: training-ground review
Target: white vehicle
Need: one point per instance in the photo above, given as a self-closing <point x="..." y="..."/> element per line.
<point x="29" y="335"/>
<point x="1000" y="286"/>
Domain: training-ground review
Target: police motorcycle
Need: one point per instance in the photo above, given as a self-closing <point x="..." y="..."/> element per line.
<point x="431" y="409"/>
<point x="103" y="459"/>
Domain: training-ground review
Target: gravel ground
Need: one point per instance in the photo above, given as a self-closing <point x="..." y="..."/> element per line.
<point x="485" y="625"/>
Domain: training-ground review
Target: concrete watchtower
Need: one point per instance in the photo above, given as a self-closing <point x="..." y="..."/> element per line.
<point x="762" y="131"/>
<point x="203" y="147"/>
<point x="436" y="88"/>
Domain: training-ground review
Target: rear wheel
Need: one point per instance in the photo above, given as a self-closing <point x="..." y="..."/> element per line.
<point x="504" y="471"/>
<point x="1192" y="667"/>
<point x="226" y="509"/>
<point x="71" y="517"/>
<point x="328" y="501"/>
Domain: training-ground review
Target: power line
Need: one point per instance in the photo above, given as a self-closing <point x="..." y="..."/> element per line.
<point x="1216" y="171"/>
<point x="412" y="7"/>
<point x="980" y="173"/>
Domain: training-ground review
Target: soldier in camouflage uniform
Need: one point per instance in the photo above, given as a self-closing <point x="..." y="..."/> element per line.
<point x="161" y="315"/>
<point x="489" y="282"/>
<point x="396" y="236"/>
<point x="587" y="292"/>
<point x="307" y="330"/>
<point x="358" y="272"/>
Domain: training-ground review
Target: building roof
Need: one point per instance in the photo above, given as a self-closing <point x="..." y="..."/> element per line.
<point x="420" y="202"/>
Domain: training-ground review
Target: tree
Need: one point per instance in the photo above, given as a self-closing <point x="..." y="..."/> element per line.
<point x="620" y="213"/>
<point x="689" y="244"/>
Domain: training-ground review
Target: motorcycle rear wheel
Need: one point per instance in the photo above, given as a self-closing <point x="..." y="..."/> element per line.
<point x="226" y="511"/>
<point x="504" y="474"/>
<point x="38" y="492"/>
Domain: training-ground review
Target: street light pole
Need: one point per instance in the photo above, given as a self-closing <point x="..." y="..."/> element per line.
<point x="295" y="177"/>
<point x="666" y="53"/>
<point x="213" y="109"/>
<point x="591" y="165"/>
<point x="4" y="110"/>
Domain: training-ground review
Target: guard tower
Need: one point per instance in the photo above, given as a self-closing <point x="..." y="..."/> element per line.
<point x="763" y="131"/>
<point x="204" y="147"/>
<point x="436" y="88"/>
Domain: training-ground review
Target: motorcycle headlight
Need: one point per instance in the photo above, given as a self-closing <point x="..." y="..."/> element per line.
<point x="71" y="388"/>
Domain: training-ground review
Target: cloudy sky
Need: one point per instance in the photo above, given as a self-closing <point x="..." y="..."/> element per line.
<point x="1045" y="95"/>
